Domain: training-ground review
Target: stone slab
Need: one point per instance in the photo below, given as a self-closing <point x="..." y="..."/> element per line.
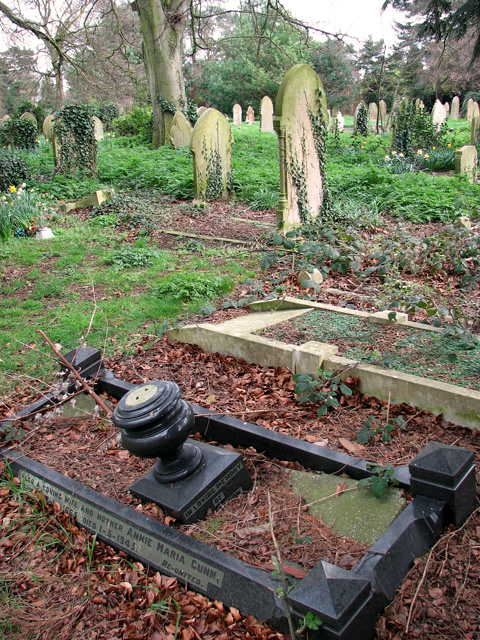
<point x="388" y="317"/>
<point x="353" y="514"/>
<point x="199" y="566"/>
<point x="221" y="477"/>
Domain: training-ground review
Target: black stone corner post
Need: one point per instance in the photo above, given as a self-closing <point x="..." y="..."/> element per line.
<point x="446" y="473"/>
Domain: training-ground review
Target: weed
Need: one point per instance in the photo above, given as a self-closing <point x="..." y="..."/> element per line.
<point x="324" y="392"/>
<point x="380" y="480"/>
<point x="193" y="286"/>
<point x="375" y="427"/>
<point x="129" y="258"/>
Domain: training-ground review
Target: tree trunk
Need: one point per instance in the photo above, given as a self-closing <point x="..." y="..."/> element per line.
<point x="162" y="23"/>
<point x="57" y="65"/>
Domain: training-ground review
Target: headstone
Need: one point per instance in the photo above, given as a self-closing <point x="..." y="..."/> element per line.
<point x="447" y="108"/>
<point x="98" y="124"/>
<point x="4" y="119"/>
<point x="250" y="115"/>
<point x="211" y="147"/>
<point x="300" y="121"/>
<point x="340" y="121"/>
<point x="475" y="133"/>
<point x="439" y="114"/>
<point x="455" y="110"/>
<point x="266" y="114"/>
<point x="466" y="161"/>
<point x="237" y="114"/>
<point x="181" y="132"/>
<point x="419" y="106"/>
<point x="355" y="116"/>
<point x="201" y="111"/>
<point x="30" y="117"/>
<point x="47" y="127"/>
<point x="476" y="110"/>
<point x="470" y="109"/>
<point x="383" y="113"/>
<point x="372" y="111"/>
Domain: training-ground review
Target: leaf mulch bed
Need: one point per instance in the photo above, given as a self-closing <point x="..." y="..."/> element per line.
<point x="121" y="604"/>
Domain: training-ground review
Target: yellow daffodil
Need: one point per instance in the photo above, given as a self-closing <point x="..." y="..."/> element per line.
<point x="449" y="144"/>
<point x="12" y="189"/>
<point x="394" y="153"/>
<point x="400" y="155"/>
<point x="387" y="157"/>
<point x="420" y="152"/>
<point x="427" y="155"/>
<point x="434" y="148"/>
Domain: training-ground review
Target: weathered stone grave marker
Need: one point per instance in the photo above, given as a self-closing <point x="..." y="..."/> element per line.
<point x="383" y="113"/>
<point x="181" y="132"/>
<point x="455" y="109"/>
<point x="211" y="147"/>
<point x="266" y="114"/>
<point x="98" y="126"/>
<point x="470" y="109"/>
<point x="47" y="127"/>
<point x="30" y="117"/>
<point x="237" y="114"/>
<point x="250" y="115"/>
<point x="475" y="131"/>
<point x="300" y="122"/>
<point x="201" y="111"/>
<point x="439" y="114"/>
<point x="466" y="159"/>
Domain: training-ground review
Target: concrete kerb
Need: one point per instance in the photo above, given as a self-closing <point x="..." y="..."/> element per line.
<point x="237" y="338"/>
<point x="95" y="199"/>
<point x="347" y="602"/>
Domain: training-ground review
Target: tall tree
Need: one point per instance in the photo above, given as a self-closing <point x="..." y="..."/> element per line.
<point x="18" y="79"/>
<point x="334" y="62"/>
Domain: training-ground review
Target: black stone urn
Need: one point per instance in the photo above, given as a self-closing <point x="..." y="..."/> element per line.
<point x="156" y="423"/>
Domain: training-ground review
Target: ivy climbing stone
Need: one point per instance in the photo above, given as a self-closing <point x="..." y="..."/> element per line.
<point x="301" y="124"/>
<point x="211" y="147"/>
<point x="74" y="141"/>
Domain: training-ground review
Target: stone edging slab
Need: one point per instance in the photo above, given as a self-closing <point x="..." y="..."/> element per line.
<point x="237" y="338"/>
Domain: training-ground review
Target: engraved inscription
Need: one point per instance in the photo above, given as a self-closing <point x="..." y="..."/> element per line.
<point x="214" y="489"/>
<point x="161" y="553"/>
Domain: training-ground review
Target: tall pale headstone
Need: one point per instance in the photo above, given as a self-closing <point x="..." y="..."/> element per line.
<point x="455" y="109"/>
<point x="447" y="108"/>
<point x="98" y="125"/>
<point x="372" y="111"/>
<point x="475" y="132"/>
<point x="237" y="114"/>
<point x="47" y="127"/>
<point x="266" y="114"/>
<point x="250" y="115"/>
<point x="466" y="161"/>
<point x="439" y="114"/>
<point x="470" y="109"/>
<point x="300" y="122"/>
<point x="181" y="132"/>
<point x="201" y="111"/>
<point x="476" y="110"/>
<point x="383" y="113"/>
<point x="30" y="117"/>
<point x="340" y="121"/>
<point x="211" y="147"/>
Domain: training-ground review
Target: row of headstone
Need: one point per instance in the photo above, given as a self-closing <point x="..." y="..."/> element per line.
<point x="266" y="114"/>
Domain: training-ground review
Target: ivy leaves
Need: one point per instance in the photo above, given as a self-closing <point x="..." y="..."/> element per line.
<point x="75" y="131"/>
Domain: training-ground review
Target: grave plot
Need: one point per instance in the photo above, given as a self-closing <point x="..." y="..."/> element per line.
<point x="348" y="605"/>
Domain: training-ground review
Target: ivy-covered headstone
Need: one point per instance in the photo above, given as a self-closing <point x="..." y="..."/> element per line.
<point x="74" y="137"/>
<point x="301" y="123"/>
<point x="30" y="117"/>
<point x="211" y="147"/>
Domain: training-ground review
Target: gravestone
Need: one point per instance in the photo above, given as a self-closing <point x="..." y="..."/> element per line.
<point x="4" y="119"/>
<point x="475" y="132"/>
<point x="300" y="122"/>
<point x="372" y="111"/>
<point x="340" y="121"/>
<point x="470" y="109"/>
<point x="30" y="117"/>
<point x="237" y="114"/>
<point x="250" y="115"/>
<point x="266" y="114"/>
<point x="98" y="124"/>
<point x="466" y="161"/>
<point x="201" y="111"/>
<point x="476" y="110"/>
<point x="447" y="108"/>
<point x="455" y="110"/>
<point x="181" y="132"/>
<point x="419" y="106"/>
<point x="355" y="116"/>
<point x="47" y="127"/>
<point x="383" y="113"/>
<point x="211" y="147"/>
<point x="439" y="114"/>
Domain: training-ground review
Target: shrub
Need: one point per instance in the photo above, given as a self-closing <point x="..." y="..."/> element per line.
<point x="107" y="114"/>
<point x="13" y="171"/>
<point x="26" y="106"/>
<point x="138" y="121"/>
<point x="21" y="134"/>
<point x="193" y="286"/>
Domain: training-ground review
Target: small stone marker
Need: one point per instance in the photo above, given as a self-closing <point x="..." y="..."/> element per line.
<point x="466" y="161"/>
<point x="439" y="114"/>
<point x="315" y="276"/>
<point x="47" y="127"/>
<point x="470" y="109"/>
<point x="4" y="119"/>
<point x="475" y="132"/>
<point x="201" y="111"/>
<point x="250" y="115"/>
<point x="30" y="117"/>
<point x="300" y="122"/>
<point x="455" y="108"/>
<point x="98" y="125"/>
<point x="372" y="111"/>
<point x="266" y="114"/>
<point x="237" y="114"/>
<point x="181" y="132"/>
<point x="211" y="147"/>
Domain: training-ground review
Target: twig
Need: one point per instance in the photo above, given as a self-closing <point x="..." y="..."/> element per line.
<point x="333" y="495"/>
<point x="87" y="388"/>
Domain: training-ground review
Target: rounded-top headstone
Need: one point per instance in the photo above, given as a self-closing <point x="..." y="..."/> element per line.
<point x="47" y="127"/>
<point x="439" y="114"/>
<point x="201" y="111"/>
<point x="98" y="124"/>
<point x="4" y="119"/>
<point x="266" y="114"/>
<point x="237" y="114"/>
<point x="30" y="117"/>
<point x="250" y="115"/>
<point x="455" y="108"/>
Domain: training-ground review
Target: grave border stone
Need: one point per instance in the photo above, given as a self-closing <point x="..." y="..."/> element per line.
<point x="350" y="599"/>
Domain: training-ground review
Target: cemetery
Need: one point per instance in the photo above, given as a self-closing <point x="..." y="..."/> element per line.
<point x="239" y="347"/>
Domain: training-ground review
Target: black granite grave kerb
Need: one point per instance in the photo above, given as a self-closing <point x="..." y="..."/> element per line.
<point x="443" y="483"/>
